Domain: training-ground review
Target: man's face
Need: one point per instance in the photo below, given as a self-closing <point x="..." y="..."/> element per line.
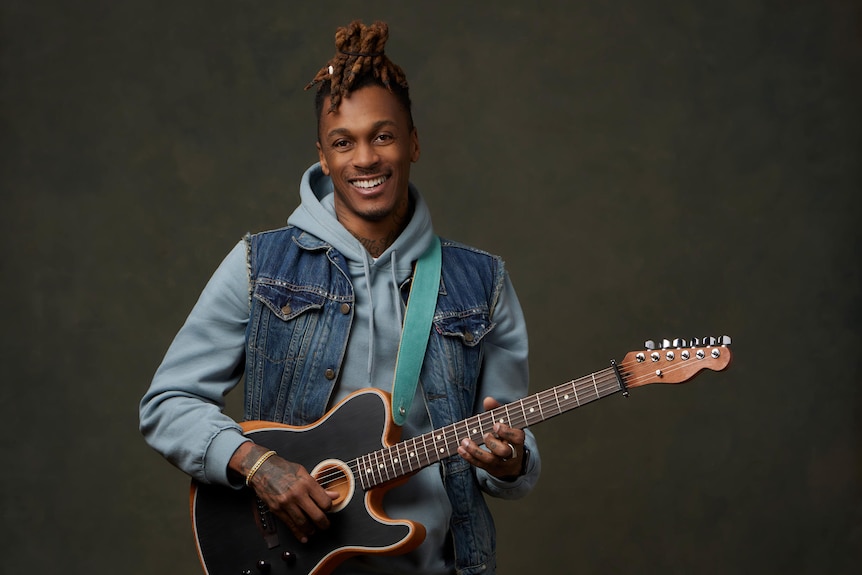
<point x="366" y="146"/>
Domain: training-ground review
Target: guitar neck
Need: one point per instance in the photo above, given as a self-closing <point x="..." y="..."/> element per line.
<point x="403" y="458"/>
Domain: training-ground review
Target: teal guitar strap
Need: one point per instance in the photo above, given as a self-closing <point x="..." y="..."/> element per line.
<point x="417" y="328"/>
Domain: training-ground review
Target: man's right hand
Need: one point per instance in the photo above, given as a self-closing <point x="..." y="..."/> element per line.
<point x="287" y="489"/>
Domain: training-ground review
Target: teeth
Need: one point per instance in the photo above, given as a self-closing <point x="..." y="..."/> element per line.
<point x="369" y="183"/>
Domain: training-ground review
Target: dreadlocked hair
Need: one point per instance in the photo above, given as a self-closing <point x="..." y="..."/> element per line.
<point x="359" y="61"/>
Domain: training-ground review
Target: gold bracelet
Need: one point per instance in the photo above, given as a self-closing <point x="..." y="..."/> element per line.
<point x="256" y="466"/>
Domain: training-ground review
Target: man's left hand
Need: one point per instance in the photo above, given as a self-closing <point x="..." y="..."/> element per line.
<point x="504" y="448"/>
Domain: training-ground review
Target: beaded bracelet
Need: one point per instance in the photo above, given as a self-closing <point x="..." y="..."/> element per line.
<point x="256" y="466"/>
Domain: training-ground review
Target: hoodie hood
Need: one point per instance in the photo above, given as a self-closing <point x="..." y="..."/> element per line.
<point x="316" y="215"/>
<point x="378" y="308"/>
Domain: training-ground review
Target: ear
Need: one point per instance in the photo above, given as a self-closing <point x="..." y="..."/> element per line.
<point x="323" y="165"/>
<point x="414" y="145"/>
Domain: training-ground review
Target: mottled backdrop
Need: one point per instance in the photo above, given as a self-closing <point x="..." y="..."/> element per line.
<point x="647" y="169"/>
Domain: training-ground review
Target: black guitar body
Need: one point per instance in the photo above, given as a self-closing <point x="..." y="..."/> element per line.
<point x="234" y="536"/>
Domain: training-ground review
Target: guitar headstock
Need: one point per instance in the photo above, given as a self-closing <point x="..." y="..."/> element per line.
<point x="674" y="361"/>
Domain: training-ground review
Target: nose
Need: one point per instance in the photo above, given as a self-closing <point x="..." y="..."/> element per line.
<point x="364" y="155"/>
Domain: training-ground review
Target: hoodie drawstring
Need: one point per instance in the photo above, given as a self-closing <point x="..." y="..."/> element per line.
<point x="367" y="270"/>
<point x="396" y="291"/>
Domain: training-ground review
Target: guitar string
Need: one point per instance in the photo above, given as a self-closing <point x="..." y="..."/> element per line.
<point x="484" y="420"/>
<point x="609" y="384"/>
<point x="603" y="383"/>
<point x="607" y="381"/>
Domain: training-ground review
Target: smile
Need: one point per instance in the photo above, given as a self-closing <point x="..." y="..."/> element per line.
<point x="368" y="184"/>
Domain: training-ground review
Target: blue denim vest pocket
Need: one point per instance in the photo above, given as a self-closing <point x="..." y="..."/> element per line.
<point x="285" y="301"/>
<point x="286" y="311"/>
<point x="470" y="327"/>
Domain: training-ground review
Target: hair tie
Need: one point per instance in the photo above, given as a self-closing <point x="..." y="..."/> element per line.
<point x="366" y="54"/>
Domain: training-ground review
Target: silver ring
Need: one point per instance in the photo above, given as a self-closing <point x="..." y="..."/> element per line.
<point x="514" y="453"/>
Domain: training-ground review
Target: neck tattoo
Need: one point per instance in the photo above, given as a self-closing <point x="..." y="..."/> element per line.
<point x="399" y="219"/>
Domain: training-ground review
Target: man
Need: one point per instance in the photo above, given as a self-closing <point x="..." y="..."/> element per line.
<point x="313" y="312"/>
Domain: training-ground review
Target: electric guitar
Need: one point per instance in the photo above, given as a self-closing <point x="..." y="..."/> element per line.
<point x="354" y="450"/>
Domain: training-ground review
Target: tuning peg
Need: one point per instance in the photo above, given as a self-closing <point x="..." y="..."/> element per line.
<point x="695" y="342"/>
<point x="665" y="343"/>
<point x="724" y="340"/>
<point x="679" y="342"/>
<point x="649" y="344"/>
<point x="709" y="341"/>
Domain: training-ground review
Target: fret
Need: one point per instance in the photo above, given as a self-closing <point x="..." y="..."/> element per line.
<point x="433" y="435"/>
<point x="438" y="449"/>
<point x="379" y="467"/>
<point x="360" y="471"/>
<point x="430" y="448"/>
<point x="426" y="458"/>
<point x="522" y="421"/>
<point x="355" y="472"/>
<point x="534" y="410"/>
<point x="367" y="471"/>
<point x="413" y="456"/>
<point x="396" y="460"/>
<point x="546" y="403"/>
<point x="448" y="436"/>
<point x="405" y="459"/>
<point x="471" y="428"/>
<point x="481" y="420"/>
<point x="567" y="398"/>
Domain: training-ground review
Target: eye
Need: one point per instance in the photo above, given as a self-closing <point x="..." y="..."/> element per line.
<point x="341" y="144"/>
<point x="384" y="138"/>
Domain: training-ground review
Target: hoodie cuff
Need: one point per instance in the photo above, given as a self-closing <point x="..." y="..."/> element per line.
<point x="218" y="454"/>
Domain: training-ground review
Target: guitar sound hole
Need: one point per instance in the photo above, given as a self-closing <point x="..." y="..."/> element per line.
<point x="334" y="475"/>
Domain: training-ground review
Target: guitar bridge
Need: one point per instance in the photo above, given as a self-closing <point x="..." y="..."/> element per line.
<point x="265" y="520"/>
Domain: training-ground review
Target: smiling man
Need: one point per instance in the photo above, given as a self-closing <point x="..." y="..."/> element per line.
<point x="312" y="313"/>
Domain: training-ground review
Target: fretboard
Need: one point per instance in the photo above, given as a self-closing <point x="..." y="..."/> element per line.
<point x="412" y="454"/>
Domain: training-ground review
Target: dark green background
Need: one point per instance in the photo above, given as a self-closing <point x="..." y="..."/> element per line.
<point x="647" y="169"/>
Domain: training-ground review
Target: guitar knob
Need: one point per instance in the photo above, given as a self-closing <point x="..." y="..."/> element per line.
<point x="288" y="557"/>
<point x="246" y="572"/>
<point x="263" y="566"/>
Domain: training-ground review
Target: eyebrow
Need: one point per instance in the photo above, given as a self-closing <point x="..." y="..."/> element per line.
<point x="376" y="126"/>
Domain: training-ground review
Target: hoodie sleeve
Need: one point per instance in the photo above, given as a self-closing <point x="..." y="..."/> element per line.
<point x="505" y="377"/>
<point x="181" y="413"/>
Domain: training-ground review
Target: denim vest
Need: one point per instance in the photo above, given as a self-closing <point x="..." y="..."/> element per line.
<point x="301" y="312"/>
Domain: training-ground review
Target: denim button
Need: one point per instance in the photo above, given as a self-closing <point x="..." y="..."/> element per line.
<point x="329" y="374"/>
<point x="285" y="309"/>
<point x="468" y="337"/>
<point x="345" y="308"/>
